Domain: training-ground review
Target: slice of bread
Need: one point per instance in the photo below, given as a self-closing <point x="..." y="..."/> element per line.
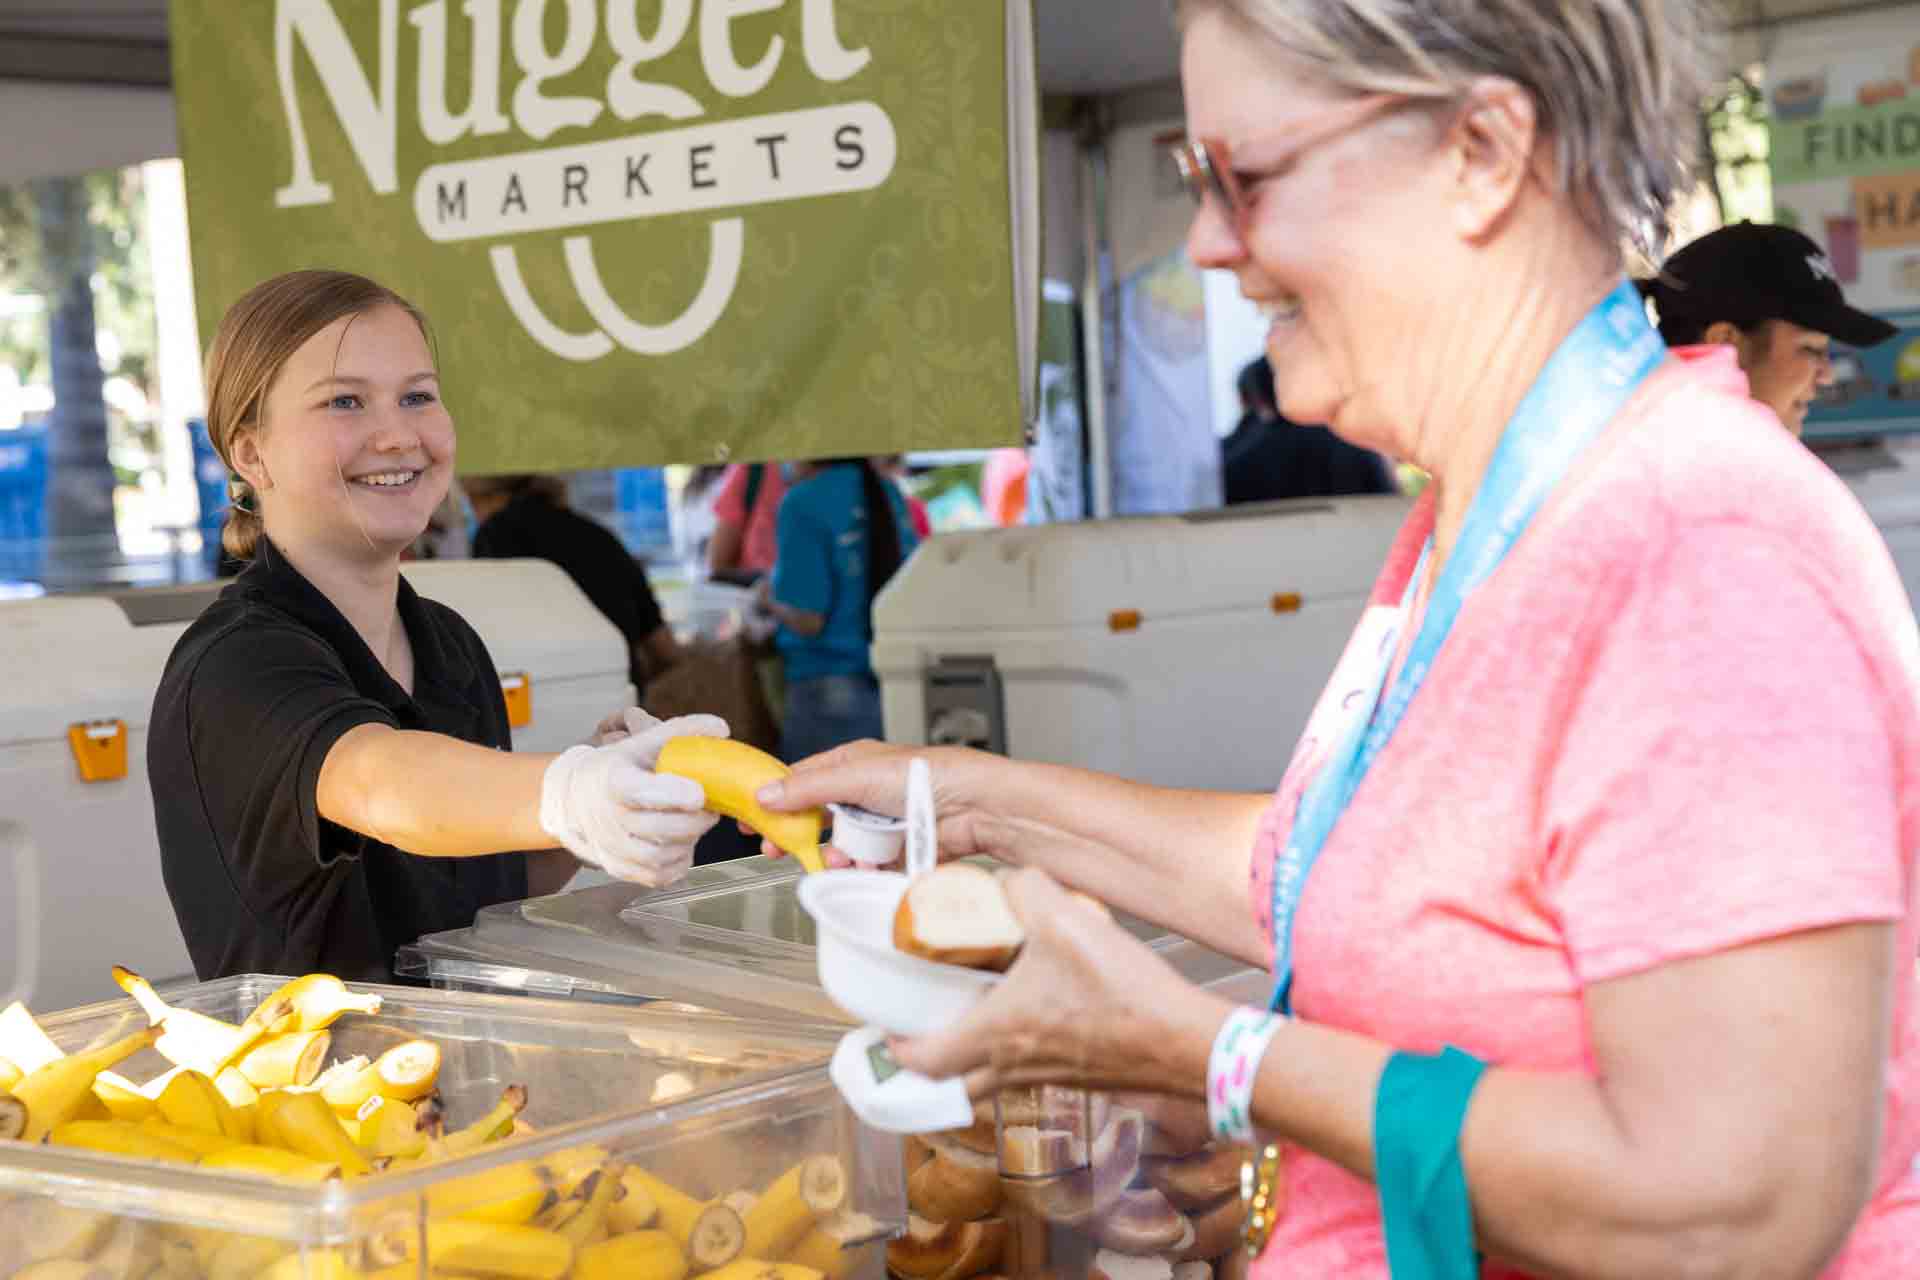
<point x="958" y="914"/>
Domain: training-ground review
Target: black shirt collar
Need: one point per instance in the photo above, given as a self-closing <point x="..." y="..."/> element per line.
<point x="272" y="580"/>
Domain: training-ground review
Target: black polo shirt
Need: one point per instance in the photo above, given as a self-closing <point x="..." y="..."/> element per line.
<point x="253" y="697"/>
<point x="600" y="565"/>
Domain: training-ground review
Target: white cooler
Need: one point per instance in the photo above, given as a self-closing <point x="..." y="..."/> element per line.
<point x="80" y="885"/>
<point x="564" y="666"/>
<point x="1185" y="651"/>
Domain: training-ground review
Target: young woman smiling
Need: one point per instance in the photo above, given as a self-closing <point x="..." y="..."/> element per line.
<point x="329" y="753"/>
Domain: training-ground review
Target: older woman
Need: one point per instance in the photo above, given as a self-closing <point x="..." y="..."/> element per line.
<point x="1589" y="889"/>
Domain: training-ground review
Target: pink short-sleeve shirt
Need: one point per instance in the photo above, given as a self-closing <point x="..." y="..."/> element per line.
<point x="1680" y="717"/>
<point x="759" y="546"/>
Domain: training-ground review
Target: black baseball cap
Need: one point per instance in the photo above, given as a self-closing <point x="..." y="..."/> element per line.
<point x="1751" y="272"/>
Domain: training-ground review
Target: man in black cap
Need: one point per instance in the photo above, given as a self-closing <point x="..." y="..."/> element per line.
<point x="1771" y="294"/>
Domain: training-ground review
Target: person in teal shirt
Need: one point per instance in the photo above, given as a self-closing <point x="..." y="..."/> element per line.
<point x="843" y="530"/>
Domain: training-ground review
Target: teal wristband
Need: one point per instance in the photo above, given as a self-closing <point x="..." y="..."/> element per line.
<point x="1418" y="1111"/>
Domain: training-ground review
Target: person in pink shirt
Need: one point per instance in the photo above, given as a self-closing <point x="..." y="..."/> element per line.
<point x="745" y="511"/>
<point x="1590" y="888"/>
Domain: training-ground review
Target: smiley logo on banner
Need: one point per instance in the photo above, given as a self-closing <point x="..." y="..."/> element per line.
<point x="721" y="168"/>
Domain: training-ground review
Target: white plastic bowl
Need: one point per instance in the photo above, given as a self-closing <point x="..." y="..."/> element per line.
<point x="861" y="970"/>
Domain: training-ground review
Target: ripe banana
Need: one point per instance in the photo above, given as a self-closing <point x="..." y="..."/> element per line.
<point x="59" y="1269"/>
<point x="827" y="1248"/>
<point x="131" y="1252"/>
<point x="312" y="1264"/>
<point x="9" y="1074"/>
<point x="511" y="1195"/>
<point x="634" y="1211"/>
<point x="22" y="1042"/>
<point x="188" y="1038"/>
<point x="385" y="1128"/>
<point x="711" y="1235"/>
<point x="308" y="1003"/>
<point x="753" y="1269"/>
<point x="814" y="1188"/>
<point x="497" y="1123"/>
<point x="585" y="1218"/>
<point x="243" y="1257"/>
<point x="405" y="1073"/>
<point x="270" y="1162"/>
<point x="523" y="1253"/>
<point x="39" y="1230"/>
<point x="120" y="1138"/>
<point x="52" y="1094"/>
<point x="291" y="1059"/>
<point x="304" y="1123"/>
<point x="638" y="1255"/>
<point x="731" y="773"/>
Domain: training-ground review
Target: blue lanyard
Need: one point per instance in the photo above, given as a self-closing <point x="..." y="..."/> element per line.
<point x="1590" y="377"/>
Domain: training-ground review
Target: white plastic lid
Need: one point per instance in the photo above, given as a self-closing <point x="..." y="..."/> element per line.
<point x="890" y="1098"/>
<point x="870" y="839"/>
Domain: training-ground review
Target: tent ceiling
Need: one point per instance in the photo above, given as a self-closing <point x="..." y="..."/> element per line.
<point x="1086" y="46"/>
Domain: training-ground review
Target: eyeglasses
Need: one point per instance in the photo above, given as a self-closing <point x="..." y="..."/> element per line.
<point x="1207" y="165"/>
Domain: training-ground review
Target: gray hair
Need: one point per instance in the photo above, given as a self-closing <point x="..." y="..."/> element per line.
<point x="1619" y="84"/>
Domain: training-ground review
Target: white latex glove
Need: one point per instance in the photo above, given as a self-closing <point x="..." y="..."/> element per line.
<point x="607" y="807"/>
<point x="614" y="728"/>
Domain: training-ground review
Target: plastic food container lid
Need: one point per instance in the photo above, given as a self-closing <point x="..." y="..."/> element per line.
<point x="870" y="839"/>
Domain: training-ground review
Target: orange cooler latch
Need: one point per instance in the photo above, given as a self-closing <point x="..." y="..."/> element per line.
<point x="518" y="686"/>
<point x="99" y="748"/>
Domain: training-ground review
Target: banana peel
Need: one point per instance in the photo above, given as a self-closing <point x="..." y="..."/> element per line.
<point x="191" y="1102"/>
<point x="121" y="1138"/>
<point x="23" y="1043"/>
<point x="122" y="1097"/>
<point x="270" y="1162"/>
<point x="732" y="774"/>
<point x="188" y="1038"/>
<point x="198" y="1141"/>
<point x="312" y="1002"/>
<point x="305" y="1124"/>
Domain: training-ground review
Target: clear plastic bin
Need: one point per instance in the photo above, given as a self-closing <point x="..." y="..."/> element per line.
<point x="733" y="938"/>
<point x="709" y="1105"/>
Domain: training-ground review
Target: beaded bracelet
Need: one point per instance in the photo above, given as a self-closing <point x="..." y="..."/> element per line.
<point x="1231" y="1070"/>
<point x="1263" y="1195"/>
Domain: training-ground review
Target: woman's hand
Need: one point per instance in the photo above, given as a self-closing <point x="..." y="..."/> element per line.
<point x="873" y="775"/>
<point x="1086" y="1004"/>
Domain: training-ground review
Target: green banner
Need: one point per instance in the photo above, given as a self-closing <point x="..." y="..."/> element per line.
<point x="645" y="231"/>
<point x="1846" y="142"/>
